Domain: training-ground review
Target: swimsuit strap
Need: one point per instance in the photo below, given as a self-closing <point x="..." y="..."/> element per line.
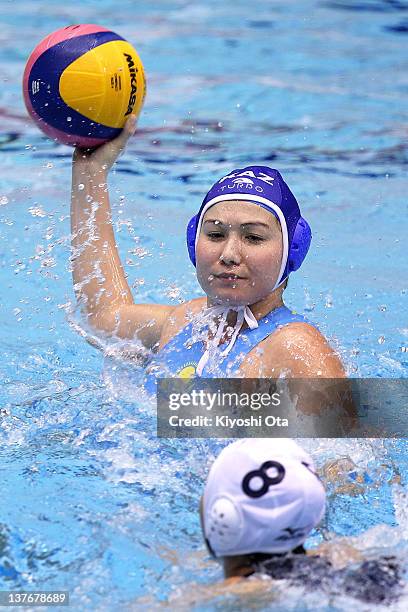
<point x="180" y="353"/>
<point x="250" y="338"/>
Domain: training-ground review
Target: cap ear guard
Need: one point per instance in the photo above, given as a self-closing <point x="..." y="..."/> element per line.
<point x="223" y="526"/>
<point x="299" y="246"/>
<point x="191" y="238"/>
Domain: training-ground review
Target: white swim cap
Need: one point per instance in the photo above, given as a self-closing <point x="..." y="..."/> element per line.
<point x="261" y="496"/>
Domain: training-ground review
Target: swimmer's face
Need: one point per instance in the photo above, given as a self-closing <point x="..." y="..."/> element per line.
<point x="238" y="253"/>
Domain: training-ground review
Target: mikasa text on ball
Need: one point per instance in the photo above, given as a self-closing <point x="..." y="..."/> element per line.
<point x="81" y="83"/>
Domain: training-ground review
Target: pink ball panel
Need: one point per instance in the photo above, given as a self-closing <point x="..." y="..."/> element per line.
<point x="68" y="139"/>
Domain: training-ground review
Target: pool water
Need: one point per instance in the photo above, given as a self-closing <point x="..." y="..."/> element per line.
<point x="91" y="501"/>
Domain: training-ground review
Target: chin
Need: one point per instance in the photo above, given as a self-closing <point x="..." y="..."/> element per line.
<point x="229" y="299"/>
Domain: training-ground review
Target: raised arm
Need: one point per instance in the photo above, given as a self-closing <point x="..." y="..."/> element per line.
<point x="99" y="280"/>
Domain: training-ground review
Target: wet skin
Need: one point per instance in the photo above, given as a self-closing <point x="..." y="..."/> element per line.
<point x="239" y="253"/>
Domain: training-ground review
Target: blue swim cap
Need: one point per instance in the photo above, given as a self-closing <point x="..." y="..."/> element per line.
<point x="263" y="186"/>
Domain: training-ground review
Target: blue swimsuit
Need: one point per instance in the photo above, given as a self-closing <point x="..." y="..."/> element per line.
<point x="179" y="358"/>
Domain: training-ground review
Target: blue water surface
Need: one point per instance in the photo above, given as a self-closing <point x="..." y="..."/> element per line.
<point x="91" y="501"/>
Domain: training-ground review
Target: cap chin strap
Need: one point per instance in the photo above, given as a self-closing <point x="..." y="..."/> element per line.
<point x="244" y="313"/>
<point x="280" y="282"/>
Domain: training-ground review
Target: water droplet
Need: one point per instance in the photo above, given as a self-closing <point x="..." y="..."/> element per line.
<point x="37" y="211"/>
<point x="48" y="263"/>
<point x="173" y="292"/>
<point x="88" y="198"/>
<point x="81" y="187"/>
<point x="3" y="200"/>
<point x="381" y="340"/>
<point x="69" y="118"/>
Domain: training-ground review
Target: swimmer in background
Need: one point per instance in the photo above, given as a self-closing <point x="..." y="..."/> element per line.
<point x="246" y="239"/>
<point x="261" y="500"/>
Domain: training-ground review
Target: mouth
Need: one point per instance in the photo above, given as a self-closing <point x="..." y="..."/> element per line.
<point x="228" y="276"/>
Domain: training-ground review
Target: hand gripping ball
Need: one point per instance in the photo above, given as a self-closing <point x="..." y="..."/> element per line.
<point x="81" y="83"/>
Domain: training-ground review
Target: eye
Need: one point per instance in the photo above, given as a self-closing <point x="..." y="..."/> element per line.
<point x="254" y="238"/>
<point x="215" y="235"/>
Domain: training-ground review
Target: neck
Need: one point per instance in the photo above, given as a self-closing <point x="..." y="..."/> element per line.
<point x="259" y="309"/>
<point x="240" y="566"/>
<point x="271" y="302"/>
<point x="245" y="565"/>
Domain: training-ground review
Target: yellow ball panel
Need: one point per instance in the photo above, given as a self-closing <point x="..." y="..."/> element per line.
<point x="187" y="372"/>
<point x="106" y="84"/>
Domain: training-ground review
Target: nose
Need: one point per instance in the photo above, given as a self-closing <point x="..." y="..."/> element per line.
<point x="231" y="251"/>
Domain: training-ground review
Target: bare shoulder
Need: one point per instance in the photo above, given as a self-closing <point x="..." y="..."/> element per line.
<point x="305" y="351"/>
<point x="179" y="317"/>
<point x="300" y="350"/>
<point x="299" y="335"/>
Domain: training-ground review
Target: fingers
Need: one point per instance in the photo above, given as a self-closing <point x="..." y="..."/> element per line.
<point x="116" y="146"/>
<point x="128" y="131"/>
<point x="106" y="154"/>
<point x="130" y="125"/>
